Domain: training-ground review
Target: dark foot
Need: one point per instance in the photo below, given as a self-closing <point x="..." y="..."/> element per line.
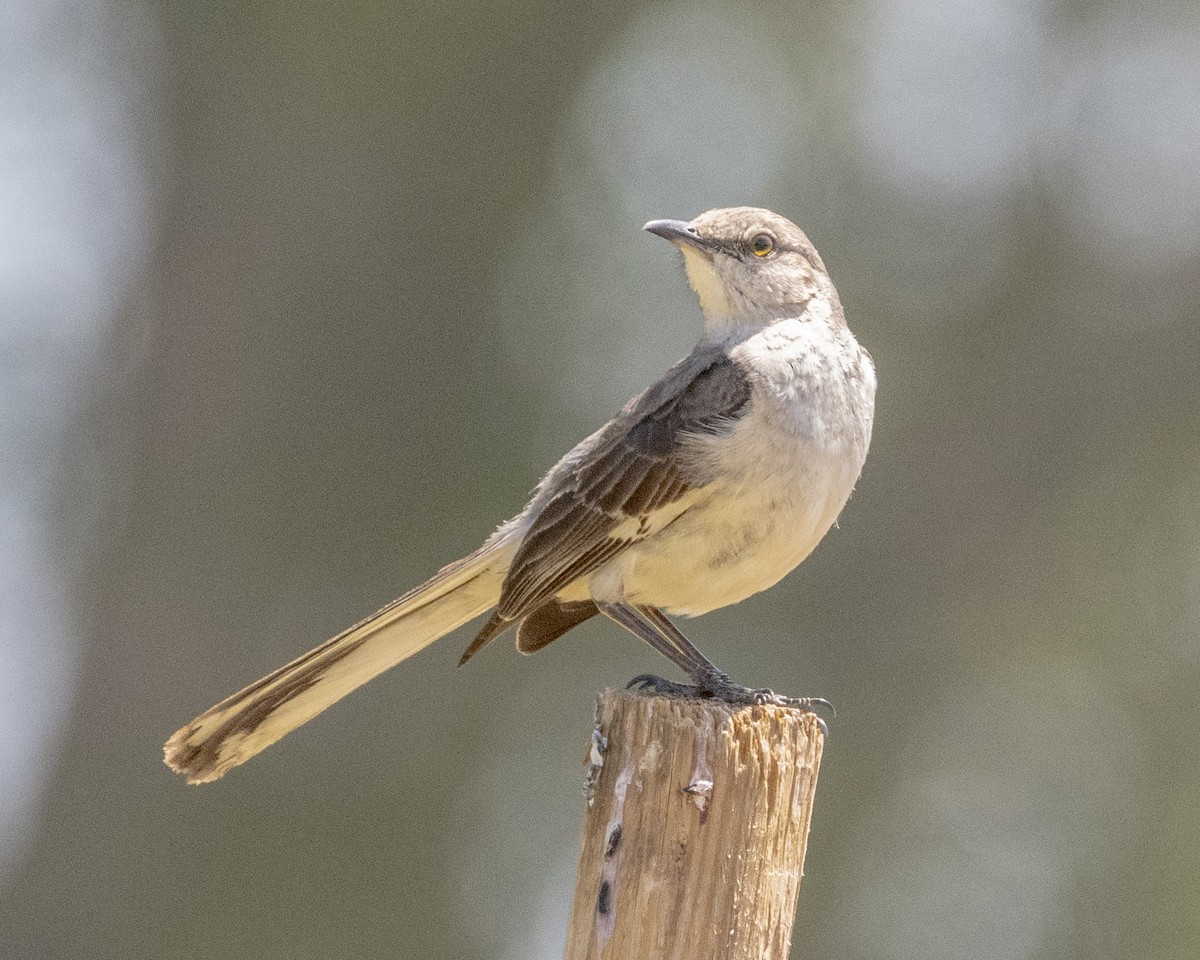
<point x="648" y="682"/>
<point x="718" y="686"/>
<point x="722" y="688"/>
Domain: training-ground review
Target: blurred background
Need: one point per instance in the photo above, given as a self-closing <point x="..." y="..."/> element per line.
<point x="297" y="301"/>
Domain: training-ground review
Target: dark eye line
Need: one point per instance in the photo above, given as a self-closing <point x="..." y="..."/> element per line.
<point x="740" y="248"/>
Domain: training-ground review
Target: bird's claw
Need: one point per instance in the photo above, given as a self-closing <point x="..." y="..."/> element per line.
<point x="649" y="682"/>
<point x="718" y="686"/>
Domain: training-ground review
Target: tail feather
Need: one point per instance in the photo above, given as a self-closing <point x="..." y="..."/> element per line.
<point x="248" y="722"/>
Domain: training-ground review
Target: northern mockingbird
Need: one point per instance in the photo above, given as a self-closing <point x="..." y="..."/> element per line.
<point x="708" y="487"/>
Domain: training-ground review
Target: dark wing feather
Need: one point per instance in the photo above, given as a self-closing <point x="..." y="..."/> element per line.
<point x="630" y="468"/>
<point x="550" y="621"/>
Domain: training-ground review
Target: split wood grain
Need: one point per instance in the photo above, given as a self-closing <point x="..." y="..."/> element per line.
<point x="697" y="822"/>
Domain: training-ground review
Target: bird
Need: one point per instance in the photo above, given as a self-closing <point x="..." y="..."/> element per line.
<point x="708" y="487"/>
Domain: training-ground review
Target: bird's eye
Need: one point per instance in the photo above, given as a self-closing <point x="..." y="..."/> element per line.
<point x="762" y="245"/>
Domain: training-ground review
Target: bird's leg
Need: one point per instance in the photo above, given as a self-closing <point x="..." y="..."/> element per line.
<point x="705" y="673"/>
<point x="711" y="682"/>
<point x="655" y="628"/>
<point x="687" y="658"/>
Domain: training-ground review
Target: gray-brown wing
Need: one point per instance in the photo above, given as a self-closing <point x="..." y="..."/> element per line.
<point x="629" y="469"/>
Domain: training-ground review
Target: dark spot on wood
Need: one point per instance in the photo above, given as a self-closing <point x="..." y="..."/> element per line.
<point x="614" y="841"/>
<point x="604" y="900"/>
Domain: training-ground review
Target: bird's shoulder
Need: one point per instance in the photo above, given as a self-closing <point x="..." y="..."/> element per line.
<point x="703" y="391"/>
<point x="632" y="469"/>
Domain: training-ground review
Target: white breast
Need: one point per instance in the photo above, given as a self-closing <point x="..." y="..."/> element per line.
<point x="779" y="480"/>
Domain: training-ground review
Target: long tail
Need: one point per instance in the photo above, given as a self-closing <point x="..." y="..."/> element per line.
<point x="243" y="725"/>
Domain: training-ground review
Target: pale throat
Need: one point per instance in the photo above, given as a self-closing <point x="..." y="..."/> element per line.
<point x="718" y="312"/>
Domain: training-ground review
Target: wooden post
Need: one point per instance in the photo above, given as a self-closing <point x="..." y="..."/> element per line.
<point x="697" y="820"/>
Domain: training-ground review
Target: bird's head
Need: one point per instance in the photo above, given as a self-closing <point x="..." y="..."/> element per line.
<point x="750" y="266"/>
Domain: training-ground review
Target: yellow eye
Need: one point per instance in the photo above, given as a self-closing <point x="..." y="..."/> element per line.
<point x="762" y="245"/>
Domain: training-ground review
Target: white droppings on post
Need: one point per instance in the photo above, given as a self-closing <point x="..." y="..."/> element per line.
<point x="595" y="762"/>
<point x="606" y="895"/>
<point x="700" y="783"/>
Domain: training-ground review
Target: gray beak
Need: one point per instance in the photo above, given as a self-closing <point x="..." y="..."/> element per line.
<point x="678" y="232"/>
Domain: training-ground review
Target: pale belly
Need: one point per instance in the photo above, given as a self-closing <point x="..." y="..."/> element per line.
<point x="741" y="539"/>
<point x="775" y="485"/>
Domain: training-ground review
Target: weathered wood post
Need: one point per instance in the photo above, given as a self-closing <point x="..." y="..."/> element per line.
<point x="697" y="822"/>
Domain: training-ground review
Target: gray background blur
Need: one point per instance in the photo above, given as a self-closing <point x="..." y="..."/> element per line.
<point x="298" y="300"/>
